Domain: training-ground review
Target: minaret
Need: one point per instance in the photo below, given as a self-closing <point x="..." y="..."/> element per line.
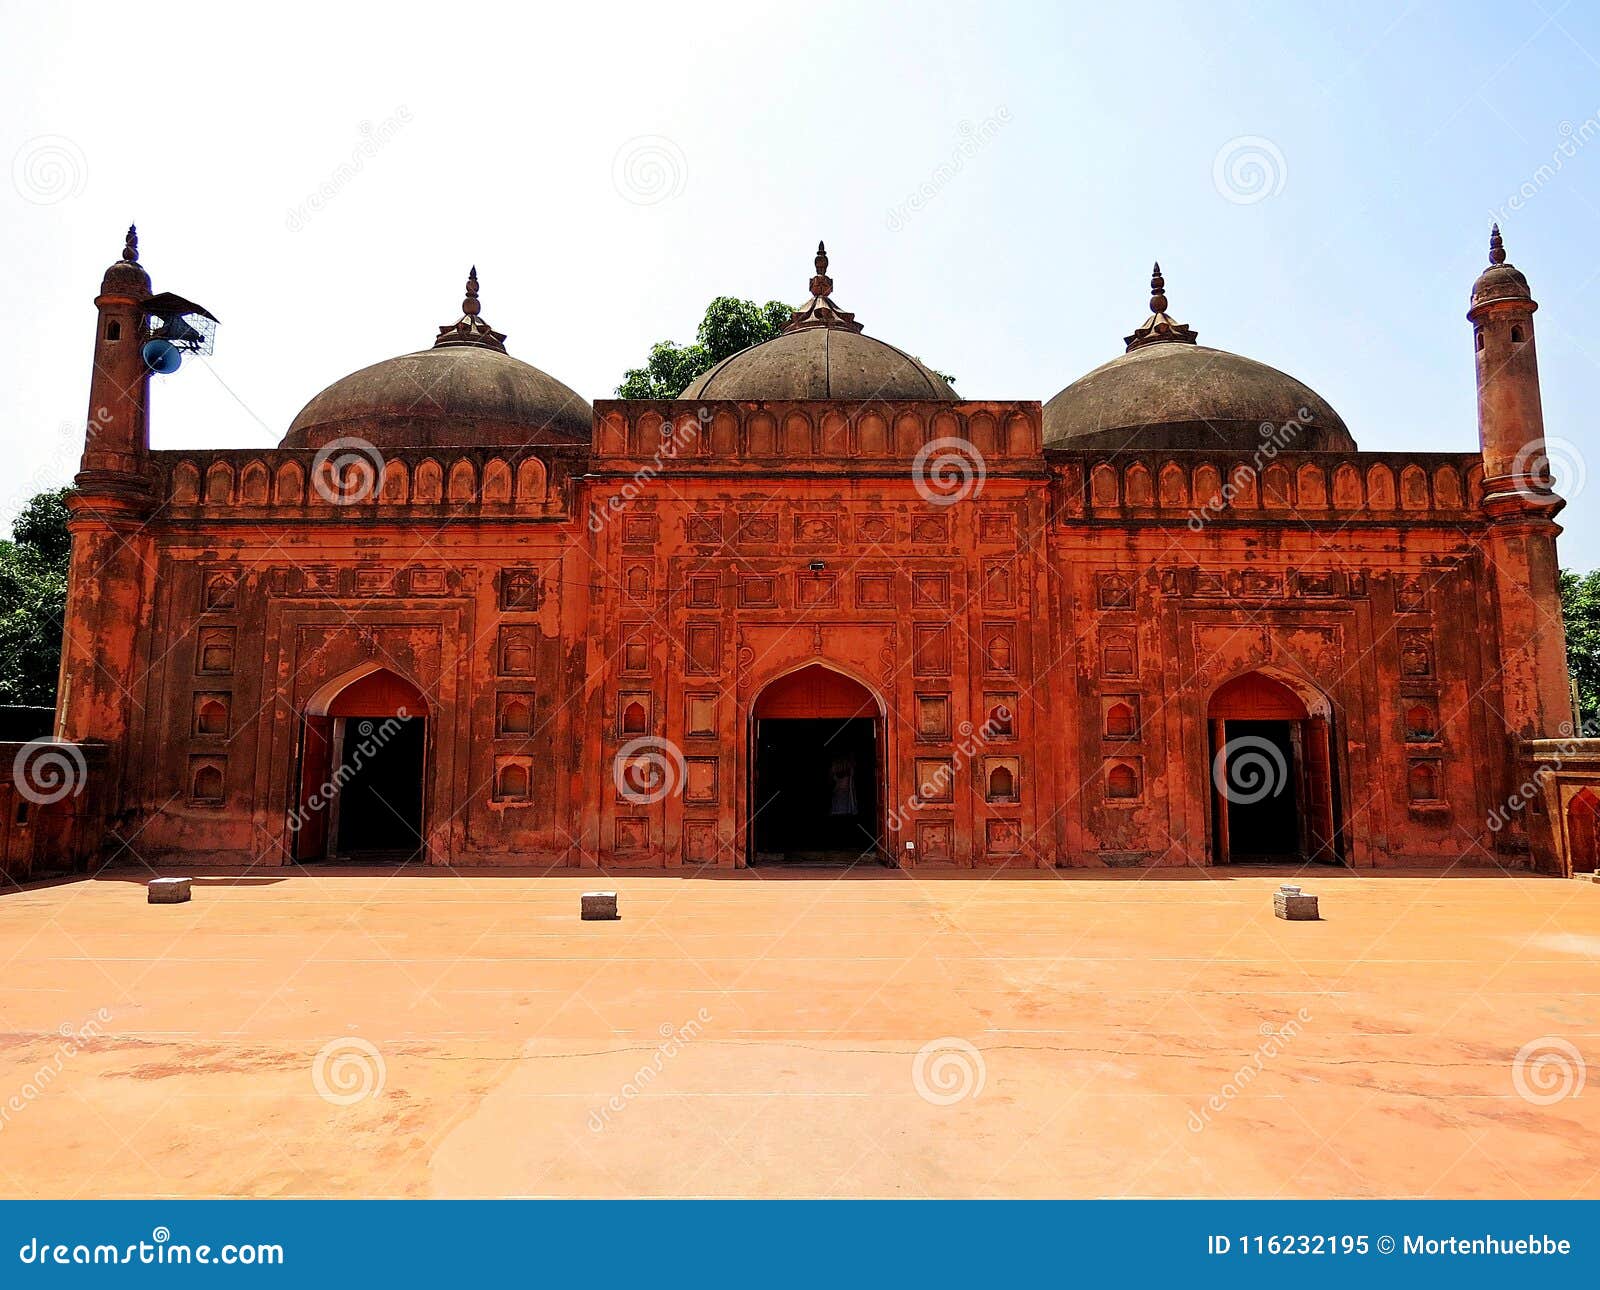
<point x="118" y="429"/>
<point x="1521" y="504"/>
<point x="109" y="579"/>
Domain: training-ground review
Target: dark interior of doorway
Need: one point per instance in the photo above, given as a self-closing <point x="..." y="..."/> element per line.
<point x="802" y="767"/>
<point x="1268" y="830"/>
<point x="380" y="801"/>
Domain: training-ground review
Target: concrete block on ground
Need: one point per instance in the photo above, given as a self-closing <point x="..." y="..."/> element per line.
<point x="1295" y="905"/>
<point x="600" y="904"/>
<point x="168" y="891"/>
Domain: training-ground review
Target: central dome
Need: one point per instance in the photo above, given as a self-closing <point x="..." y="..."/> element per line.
<point x="822" y="354"/>
<point x="1169" y="392"/>
<point x="466" y="390"/>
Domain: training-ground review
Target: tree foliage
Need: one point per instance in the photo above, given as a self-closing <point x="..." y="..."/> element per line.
<point x="730" y="325"/>
<point x="1580" y="610"/>
<point x="33" y="598"/>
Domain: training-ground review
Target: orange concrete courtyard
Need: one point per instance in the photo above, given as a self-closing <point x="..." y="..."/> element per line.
<point x="381" y="1033"/>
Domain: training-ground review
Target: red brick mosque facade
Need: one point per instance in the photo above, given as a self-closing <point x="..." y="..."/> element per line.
<point x="819" y="608"/>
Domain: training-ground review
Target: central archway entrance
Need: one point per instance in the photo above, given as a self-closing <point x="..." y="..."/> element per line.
<point x="1272" y="775"/>
<point x="362" y="771"/>
<point x="818" y="747"/>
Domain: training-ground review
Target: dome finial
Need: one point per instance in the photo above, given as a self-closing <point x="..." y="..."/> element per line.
<point x="820" y="311"/>
<point x="1497" y="246"/>
<point x="1158" y="327"/>
<point x="130" y="245"/>
<point x="470" y="329"/>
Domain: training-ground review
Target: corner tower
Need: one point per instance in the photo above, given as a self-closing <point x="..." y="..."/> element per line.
<point x="111" y="503"/>
<point x="1521" y="503"/>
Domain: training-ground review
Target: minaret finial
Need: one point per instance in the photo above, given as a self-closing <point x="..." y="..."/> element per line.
<point x="470" y="305"/>
<point x="130" y="246"/>
<point x="1497" y="247"/>
<point x="1158" y="290"/>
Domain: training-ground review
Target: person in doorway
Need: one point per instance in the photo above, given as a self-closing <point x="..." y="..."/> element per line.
<point x="842" y="804"/>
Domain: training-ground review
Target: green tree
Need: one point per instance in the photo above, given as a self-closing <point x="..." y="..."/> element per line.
<point x="1580" y="610"/>
<point x="730" y="325"/>
<point x="33" y="599"/>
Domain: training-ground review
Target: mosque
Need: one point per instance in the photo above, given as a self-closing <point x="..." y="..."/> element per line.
<point x="821" y="609"/>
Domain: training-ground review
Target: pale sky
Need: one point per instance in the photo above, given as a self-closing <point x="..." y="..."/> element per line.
<point x="610" y="168"/>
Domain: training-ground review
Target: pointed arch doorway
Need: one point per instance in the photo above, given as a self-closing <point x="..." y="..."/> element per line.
<point x="362" y="770"/>
<point x="1273" y="792"/>
<point x="817" y="770"/>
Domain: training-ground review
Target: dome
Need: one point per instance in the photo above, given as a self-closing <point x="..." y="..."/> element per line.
<point x="1169" y="392"/>
<point x="466" y="390"/>
<point x="1500" y="281"/>
<point x="822" y="354"/>
<point x="127" y="277"/>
